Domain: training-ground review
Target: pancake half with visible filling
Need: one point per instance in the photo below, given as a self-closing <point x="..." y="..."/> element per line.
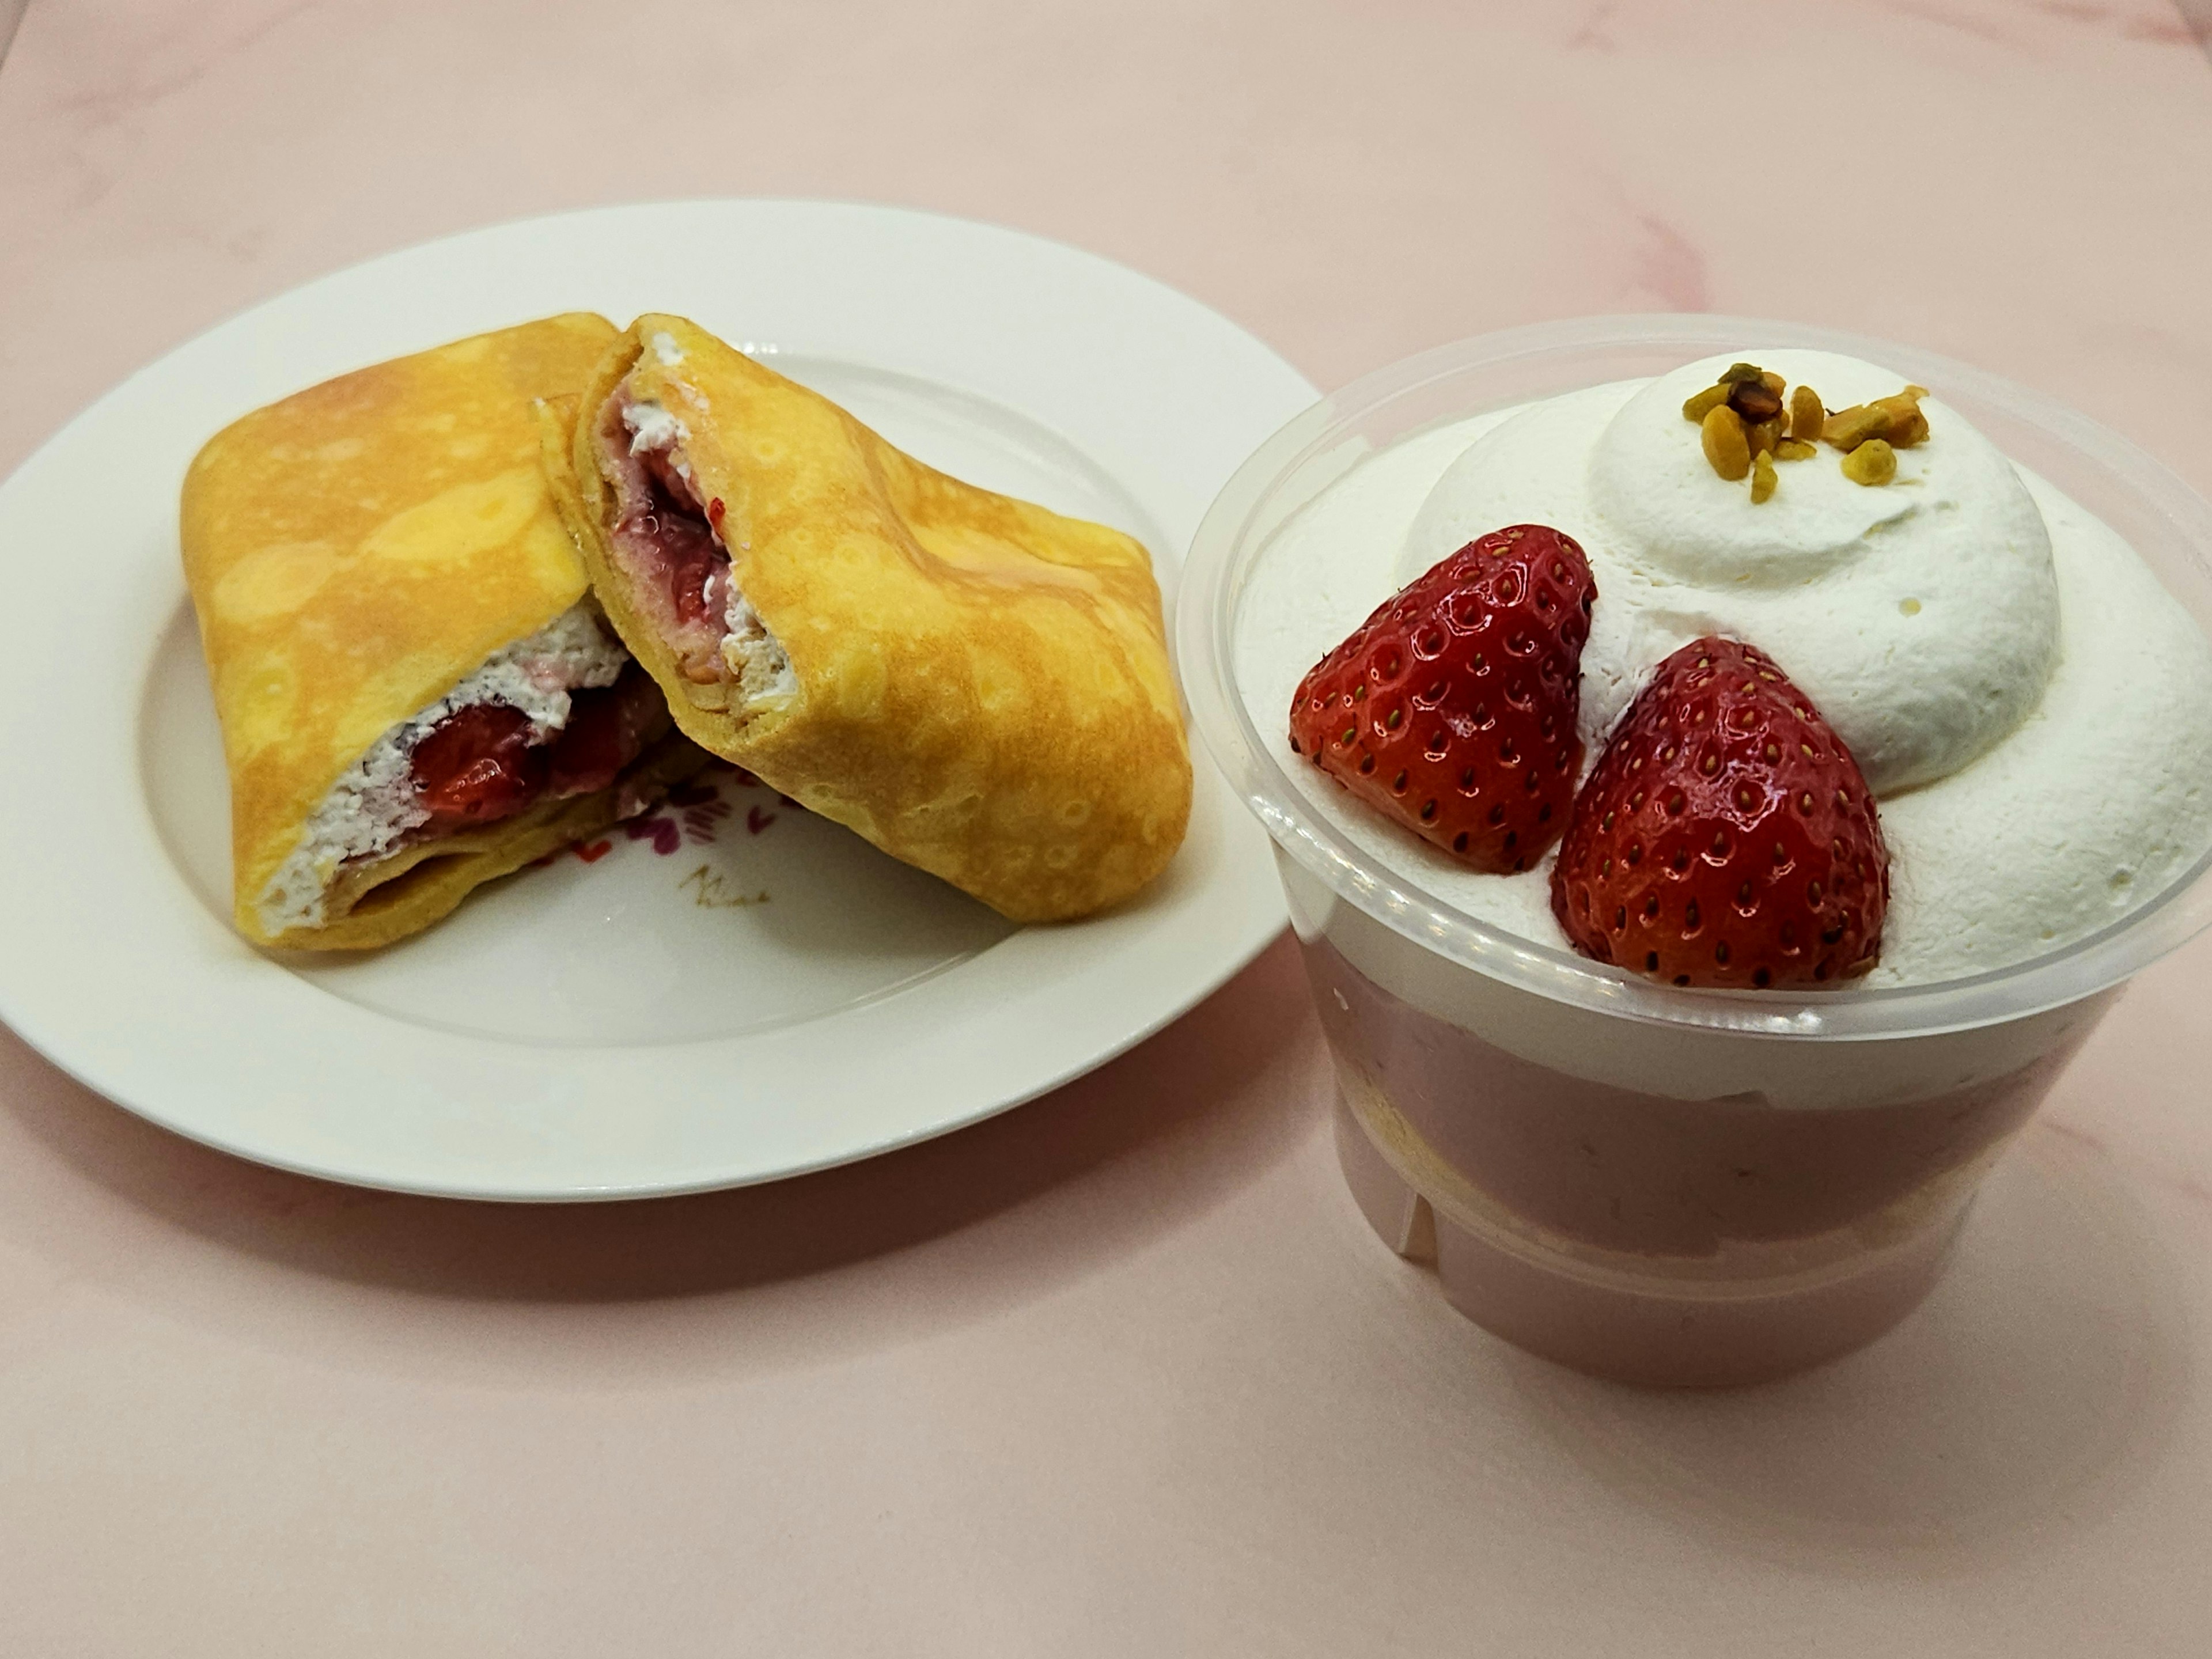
<point x="977" y="685"/>
<point x="417" y="693"/>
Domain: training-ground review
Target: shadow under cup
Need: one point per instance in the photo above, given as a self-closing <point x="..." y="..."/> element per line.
<point x="1657" y="1185"/>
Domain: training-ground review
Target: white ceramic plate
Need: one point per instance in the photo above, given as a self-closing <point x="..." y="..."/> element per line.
<point x="737" y="992"/>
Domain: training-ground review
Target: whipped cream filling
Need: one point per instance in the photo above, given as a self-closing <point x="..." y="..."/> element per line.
<point x="372" y="806"/>
<point x="756" y="655"/>
<point x="2032" y="707"/>
<point x="652" y="429"/>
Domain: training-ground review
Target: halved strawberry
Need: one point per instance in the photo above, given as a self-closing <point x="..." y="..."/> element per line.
<point x="1725" y="836"/>
<point x="1452" y="709"/>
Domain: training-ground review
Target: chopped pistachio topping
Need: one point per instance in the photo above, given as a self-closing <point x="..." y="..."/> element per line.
<point x="1873" y="462"/>
<point x="1806" y="416"/>
<point x="1726" y="446"/>
<point x="1746" y="425"/>
<point x="1762" y="477"/>
<point x="1705" y="402"/>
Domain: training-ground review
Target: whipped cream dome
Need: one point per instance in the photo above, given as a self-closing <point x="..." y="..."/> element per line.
<point x="2031" y="708"/>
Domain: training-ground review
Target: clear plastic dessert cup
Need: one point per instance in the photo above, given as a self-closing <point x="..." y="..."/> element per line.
<point x="1660" y="1185"/>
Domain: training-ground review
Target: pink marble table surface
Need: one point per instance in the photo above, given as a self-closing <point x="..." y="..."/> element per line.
<point x="1122" y="1372"/>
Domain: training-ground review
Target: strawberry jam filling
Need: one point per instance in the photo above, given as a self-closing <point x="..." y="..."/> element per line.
<point x="483" y="762"/>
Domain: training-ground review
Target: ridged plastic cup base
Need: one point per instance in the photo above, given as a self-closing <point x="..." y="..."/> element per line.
<point x="1650" y="1331"/>
<point x="1647" y="1236"/>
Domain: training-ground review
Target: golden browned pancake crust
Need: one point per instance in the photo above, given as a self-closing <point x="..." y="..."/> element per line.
<point x="353" y="553"/>
<point x="982" y="686"/>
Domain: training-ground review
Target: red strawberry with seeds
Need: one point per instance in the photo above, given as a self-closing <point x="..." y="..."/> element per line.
<point x="1725" y="836"/>
<point x="1452" y="709"/>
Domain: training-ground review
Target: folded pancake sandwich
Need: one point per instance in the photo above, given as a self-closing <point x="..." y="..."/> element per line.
<point x="417" y="691"/>
<point x="977" y="685"/>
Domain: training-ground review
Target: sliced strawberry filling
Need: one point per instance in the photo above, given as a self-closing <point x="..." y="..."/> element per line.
<point x="483" y="762"/>
<point x="677" y="570"/>
<point x="477" y="766"/>
<point x="680" y="540"/>
<point x="608" y="728"/>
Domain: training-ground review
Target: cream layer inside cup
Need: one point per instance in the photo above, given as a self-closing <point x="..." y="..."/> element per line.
<point x="2030" y="706"/>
